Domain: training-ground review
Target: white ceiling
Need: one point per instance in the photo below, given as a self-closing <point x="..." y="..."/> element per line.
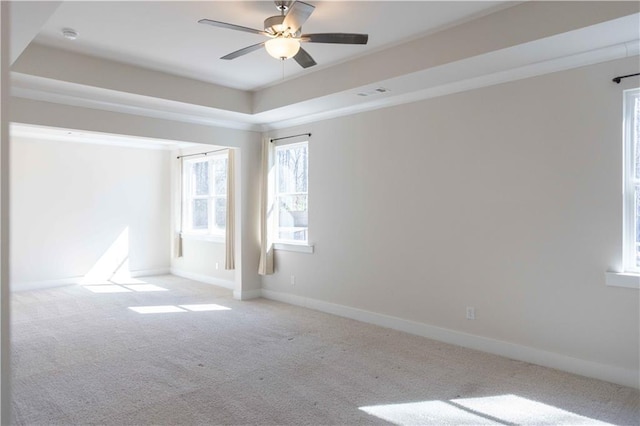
<point x="411" y="57"/>
<point x="165" y="35"/>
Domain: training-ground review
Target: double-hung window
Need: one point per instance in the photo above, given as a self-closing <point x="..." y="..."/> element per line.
<point x="291" y="193"/>
<point x="631" y="252"/>
<point x="204" y="181"/>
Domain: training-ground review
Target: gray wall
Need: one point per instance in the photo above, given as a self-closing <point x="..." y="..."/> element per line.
<point x="506" y="198"/>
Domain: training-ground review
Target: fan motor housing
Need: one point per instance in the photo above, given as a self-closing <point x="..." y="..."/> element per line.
<point x="274" y="24"/>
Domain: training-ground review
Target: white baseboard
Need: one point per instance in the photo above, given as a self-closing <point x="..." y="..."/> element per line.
<point x="149" y="272"/>
<point x="621" y="376"/>
<point x="247" y="294"/>
<point x="42" y="285"/>
<point x="207" y="279"/>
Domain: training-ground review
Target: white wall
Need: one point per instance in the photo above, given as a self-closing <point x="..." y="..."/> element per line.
<point x="71" y="201"/>
<point x="247" y="280"/>
<point x="199" y="260"/>
<point x="506" y="198"/>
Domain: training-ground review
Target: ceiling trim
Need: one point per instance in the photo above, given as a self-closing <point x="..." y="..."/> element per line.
<point x="44" y="133"/>
<point x="585" y="46"/>
<point x="50" y="90"/>
<point x="534" y="69"/>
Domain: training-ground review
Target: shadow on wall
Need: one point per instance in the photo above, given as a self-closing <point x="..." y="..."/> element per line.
<point x="113" y="265"/>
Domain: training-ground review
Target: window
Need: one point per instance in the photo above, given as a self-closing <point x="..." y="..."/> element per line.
<point x="291" y="193"/>
<point x="204" y="182"/>
<point x="632" y="181"/>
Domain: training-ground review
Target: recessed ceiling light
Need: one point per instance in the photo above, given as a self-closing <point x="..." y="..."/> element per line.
<point x="69" y="33"/>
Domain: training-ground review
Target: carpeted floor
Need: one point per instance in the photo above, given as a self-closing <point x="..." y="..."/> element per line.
<point x="82" y="356"/>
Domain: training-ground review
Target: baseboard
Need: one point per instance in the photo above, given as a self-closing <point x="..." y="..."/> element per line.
<point x="247" y="294"/>
<point x="621" y="376"/>
<point x="43" y="285"/>
<point x="207" y="279"/>
<point x="149" y="272"/>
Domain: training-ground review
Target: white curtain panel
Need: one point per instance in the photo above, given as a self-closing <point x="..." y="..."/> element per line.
<point x="266" y="208"/>
<point x="230" y="231"/>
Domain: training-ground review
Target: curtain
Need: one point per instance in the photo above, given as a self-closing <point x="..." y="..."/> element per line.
<point x="265" y="266"/>
<point x="177" y="248"/>
<point x="230" y="234"/>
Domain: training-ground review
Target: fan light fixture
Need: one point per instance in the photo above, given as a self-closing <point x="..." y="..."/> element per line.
<point x="285" y="34"/>
<point x="282" y="47"/>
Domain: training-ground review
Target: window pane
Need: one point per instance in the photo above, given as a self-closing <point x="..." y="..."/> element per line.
<point x="293" y="219"/>
<point x="201" y="178"/>
<point x="220" y="165"/>
<point x="221" y="213"/>
<point x="200" y="214"/>
<point x="292" y="169"/>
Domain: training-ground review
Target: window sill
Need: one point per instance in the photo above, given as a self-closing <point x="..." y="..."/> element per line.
<point x="623" y="279"/>
<point x="204" y="237"/>
<point x="300" y="248"/>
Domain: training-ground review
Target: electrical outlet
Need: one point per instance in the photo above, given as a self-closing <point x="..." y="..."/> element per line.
<point x="471" y="313"/>
<point x="293" y="280"/>
<point x="217" y="266"/>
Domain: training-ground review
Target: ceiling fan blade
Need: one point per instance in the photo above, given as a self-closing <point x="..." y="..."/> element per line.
<point x="340" y="38"/>
<point x="231" y="26"/>
<point x="243" y="51"/>
<point x="297" y="15"/>
<point x="304" y="59"/>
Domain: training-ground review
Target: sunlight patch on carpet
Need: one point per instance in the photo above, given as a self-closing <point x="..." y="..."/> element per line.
<point x="203" y="308"/>
<point x="123" y="278"/>
<point x="107" y="288"/>
<point x="115" y="288"/>
<point x="145" y="287"/>
<point x="165" y="309"/>
<point x="168" y="309"/>
<point x="501" y="409"/>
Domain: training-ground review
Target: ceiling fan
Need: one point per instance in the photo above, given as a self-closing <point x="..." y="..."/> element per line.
<point x="285" y="34"/>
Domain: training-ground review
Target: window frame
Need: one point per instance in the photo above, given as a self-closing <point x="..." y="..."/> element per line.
<point x="212" y="232"/>
<point x="630" y="263"/>
<point x="281" y="243"/>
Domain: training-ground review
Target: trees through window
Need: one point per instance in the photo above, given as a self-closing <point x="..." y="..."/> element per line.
<point x="291" y="193"/>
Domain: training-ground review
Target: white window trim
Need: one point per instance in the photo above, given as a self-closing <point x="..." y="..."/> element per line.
<point x="630" y="275"/>
<point x="291" y="245"/>
<point x="200" y="235"/>
<point x="622" y="279"/>
<point x="628" y="236"/>
<point x="299" y="248"/>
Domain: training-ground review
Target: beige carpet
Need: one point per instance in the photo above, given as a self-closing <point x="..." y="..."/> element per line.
<point x="81" y="355"/>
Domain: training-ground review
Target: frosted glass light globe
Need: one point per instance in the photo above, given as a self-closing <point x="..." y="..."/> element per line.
<point x="282" y="47"/>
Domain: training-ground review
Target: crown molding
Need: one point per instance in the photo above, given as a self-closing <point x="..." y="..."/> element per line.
<point x="44" y="133"/>
<point x="61" y="92"/>
<point x="585" y="46"/>
<point x="499" y="76"/>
